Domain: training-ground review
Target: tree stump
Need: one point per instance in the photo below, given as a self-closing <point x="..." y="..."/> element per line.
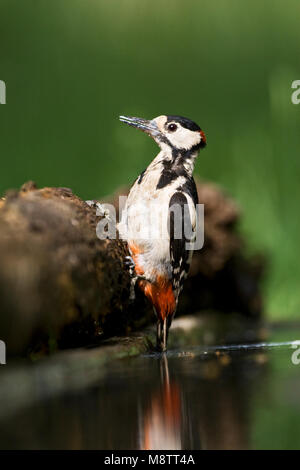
<point x="61" y="286"/>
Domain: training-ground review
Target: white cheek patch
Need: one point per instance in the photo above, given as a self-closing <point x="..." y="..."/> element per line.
<point x="160" y="122"/>
<point x="184" y="138"/>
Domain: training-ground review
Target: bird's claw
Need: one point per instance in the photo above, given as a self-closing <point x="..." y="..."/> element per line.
<point x="130" y="264"/>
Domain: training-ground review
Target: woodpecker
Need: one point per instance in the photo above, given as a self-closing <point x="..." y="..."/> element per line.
<point x="161" y="261"/>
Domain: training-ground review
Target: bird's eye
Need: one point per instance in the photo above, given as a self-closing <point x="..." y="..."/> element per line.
<point x="172" y="127"/>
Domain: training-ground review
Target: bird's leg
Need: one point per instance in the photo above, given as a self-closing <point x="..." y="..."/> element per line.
<point x="158" y="335"/>
<point x="161" y="335"/>
<point x="165" y="334"/>
<point x="130" y="264"/>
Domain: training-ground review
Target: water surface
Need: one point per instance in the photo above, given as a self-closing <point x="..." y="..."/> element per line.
<point x="235" y="396"/>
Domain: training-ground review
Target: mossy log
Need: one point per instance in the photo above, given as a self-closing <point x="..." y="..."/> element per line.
<point x="61" y="286"/>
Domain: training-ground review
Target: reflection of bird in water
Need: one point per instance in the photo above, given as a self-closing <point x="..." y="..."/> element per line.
<point x="161" y="426"/>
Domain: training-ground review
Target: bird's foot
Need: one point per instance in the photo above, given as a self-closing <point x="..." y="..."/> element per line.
<point x="101" y="210"/>
<point x="130" y="264"/>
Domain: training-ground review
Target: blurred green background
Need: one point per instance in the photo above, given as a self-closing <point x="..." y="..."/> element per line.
<point x="72" y="66"/>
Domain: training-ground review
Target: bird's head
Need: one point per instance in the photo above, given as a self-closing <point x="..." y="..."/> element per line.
<point x="176" y="132"/>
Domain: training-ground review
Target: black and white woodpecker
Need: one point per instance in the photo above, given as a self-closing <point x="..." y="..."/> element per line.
<point x="161" y="262"/>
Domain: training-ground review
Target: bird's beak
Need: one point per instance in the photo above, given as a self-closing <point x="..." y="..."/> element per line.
<point x="150" y="127"/>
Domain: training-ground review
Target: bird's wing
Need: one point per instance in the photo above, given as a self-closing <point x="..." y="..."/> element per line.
<point x="182" y="226"/>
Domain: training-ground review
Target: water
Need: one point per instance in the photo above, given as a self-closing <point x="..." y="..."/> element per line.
<point x="219" y="397"/>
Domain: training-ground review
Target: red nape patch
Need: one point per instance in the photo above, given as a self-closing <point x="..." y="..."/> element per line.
<point x="203" y="139"/>
<point x="161" y="296"/>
